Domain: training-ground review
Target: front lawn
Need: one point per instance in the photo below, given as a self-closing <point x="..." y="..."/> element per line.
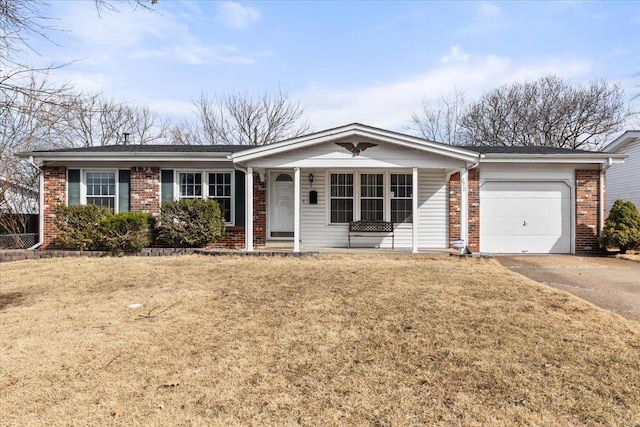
<point x="332" y="340"/>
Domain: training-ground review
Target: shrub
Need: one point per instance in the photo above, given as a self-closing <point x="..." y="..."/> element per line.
<point x="126" y="231"/>
<point x="79" y="226"/>
<point x="622" y="227"/>
<point x="190" y="223"/>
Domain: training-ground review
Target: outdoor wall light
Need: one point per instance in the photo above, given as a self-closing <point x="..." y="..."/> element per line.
<point x="311" y="178"/>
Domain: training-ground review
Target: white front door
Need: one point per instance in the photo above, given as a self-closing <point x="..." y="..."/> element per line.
<point x="281" y="203"/>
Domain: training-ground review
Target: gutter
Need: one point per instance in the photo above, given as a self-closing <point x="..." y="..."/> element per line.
<point x="40" y="207"/>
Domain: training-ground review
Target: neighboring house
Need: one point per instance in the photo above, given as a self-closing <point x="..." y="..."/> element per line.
<point x="303" y="192"/>
<point x="18" y="208"/>
<point x="623" y="180"/>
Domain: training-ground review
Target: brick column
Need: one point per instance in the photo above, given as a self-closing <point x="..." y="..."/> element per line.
<point x="145" y="190"/>
<point x="587" y="211"/>
<point x="259" y="211"/>
<point x="474" y="209"/>
<point x="454" y="208"/>
<point x="473" y="190"/>
<point x="55" y="193"/>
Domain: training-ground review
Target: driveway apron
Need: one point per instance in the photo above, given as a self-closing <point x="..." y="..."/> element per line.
<point x="610" y="283"/>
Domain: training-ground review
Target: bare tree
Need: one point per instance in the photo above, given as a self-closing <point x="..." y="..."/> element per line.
<point x="439" y="120"/>
<point x="546" y="112"/>
<point x="240" y="118"/>
<point x="22" y="20"/>
<point x="96" y="121"/>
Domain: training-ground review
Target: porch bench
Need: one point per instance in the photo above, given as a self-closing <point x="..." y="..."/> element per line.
<point x="365" y="228"/>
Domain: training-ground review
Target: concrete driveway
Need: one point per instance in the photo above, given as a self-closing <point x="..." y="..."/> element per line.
<point x="610" y="283"/>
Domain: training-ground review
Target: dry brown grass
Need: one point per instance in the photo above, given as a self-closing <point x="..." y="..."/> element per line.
<point x="337" y="340"/>
<point x="630" y="255"/>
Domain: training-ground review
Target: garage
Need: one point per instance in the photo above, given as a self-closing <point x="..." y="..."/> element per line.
<point x="525" y="217"/>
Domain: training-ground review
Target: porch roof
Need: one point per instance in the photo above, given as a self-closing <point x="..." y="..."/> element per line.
<point x="356" y="130"/>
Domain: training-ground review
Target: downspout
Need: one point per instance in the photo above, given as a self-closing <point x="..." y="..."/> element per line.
<point x="40" y="206"/>
<point x="603" y="171"/>
<point x="464" y="204"/>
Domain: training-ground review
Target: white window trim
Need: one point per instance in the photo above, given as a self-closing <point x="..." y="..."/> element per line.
<point x="400" y="198"/>
<point x="205" y="186"/>
<point x="83" y="185"/>
<point x="357" y="190"/>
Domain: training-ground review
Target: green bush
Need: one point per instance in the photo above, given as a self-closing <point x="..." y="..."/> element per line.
<point x="93" y="227"/>
<point x="190" y="223"/>
<point x="622" y="227"/>
<point x="126" y="231"/>
<point x="79" y="226"/>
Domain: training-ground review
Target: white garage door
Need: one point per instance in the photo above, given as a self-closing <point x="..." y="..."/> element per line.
<point x="525" y="217"/>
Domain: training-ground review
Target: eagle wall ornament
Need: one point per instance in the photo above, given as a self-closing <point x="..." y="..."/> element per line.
<point x="356" y="149"/>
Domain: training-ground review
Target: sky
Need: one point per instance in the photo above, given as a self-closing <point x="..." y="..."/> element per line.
<point x="372" y="62"/>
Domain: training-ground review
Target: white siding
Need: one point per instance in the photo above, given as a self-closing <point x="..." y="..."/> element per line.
<point x="432" y="216"/>
<point x="382" y="156"/>
<point x="623" y="180"/>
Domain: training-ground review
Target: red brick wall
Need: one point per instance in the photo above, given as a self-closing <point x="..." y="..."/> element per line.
<point x="145" y="190"/>
<point x="55" y="193"/>
<point x="454" y="208"/>
<point x="474" y="209"/>
<point x="587" y="211"/>
<point x="234" y="236"/>
<point x="259" y="211"/>
<point x="473" y="187"/>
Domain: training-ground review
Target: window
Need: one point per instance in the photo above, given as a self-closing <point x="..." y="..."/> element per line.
<point x="213" y="185"/>
<point x="401" y="195"/>
<point x="101" y="189"/>
<point x="372" y="197"/>
<point x="220" y="191"/>
<point x="341" y="198"/>
<point x="190" y="185"/>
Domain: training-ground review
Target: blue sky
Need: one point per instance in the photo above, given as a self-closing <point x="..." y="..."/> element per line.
<point x="370" y="62"/>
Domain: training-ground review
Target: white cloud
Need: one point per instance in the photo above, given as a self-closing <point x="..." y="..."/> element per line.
<point x="390" y="105"/>
<point x="456" y="54"/>
<point x="236" y="16"/>
<point x="488" y="18"/>
<point x="489" y="10"/>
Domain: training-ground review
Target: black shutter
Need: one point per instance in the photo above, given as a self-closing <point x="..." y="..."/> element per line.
<point x="239" y="198"/>
<point x="73" y="187"/>
<point x="124" y="180"/>
<point x="166" y="191"/>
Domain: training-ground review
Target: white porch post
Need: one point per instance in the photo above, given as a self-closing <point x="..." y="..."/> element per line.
<point x="296" y="210"/>
<point x="464" y="206"/>
<point x="248" y="227"/>
<point x="414" y="201"/>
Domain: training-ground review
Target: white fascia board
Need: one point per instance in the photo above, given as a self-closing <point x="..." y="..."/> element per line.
<point x="356" y="131"/>
<point x="126" y="157"/>
<point x="622" y="141"/>
<point x="596" y="157"/>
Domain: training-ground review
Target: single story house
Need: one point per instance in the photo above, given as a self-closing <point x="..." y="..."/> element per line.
<point x="305" y="191"/>
<point x="623" y="180"/>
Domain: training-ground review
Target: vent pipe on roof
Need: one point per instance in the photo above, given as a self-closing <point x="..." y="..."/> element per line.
<point x="126" y="138"/>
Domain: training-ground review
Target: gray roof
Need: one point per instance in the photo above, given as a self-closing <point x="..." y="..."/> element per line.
<point x="485" y="149"/>
<point x="137" y="148"/>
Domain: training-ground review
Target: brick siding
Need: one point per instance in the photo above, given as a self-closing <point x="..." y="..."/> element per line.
<point x="144" y="193"/>
<point x="55" y="193"/>
<point x="587" y="211"/>
<point x="473" y="209"/>
<point x="454" y="208"/>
